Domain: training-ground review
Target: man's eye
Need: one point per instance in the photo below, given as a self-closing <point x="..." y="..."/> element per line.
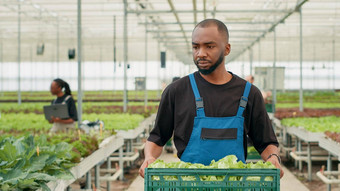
<point x="194" y="47"/>
<point x="211" y="47"/>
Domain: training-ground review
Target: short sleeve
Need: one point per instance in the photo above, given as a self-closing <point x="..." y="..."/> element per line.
<point x="164" y="124"/>
<point x="72" y="109"/>
<point x="260" y="131"/>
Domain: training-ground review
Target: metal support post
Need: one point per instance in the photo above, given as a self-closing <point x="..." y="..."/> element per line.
<point x="125" y="56"/>
<point x="19" y="52"/>
<point x="301" y="91"/>
<point x="108" y="164"/>
<point x="309" y="161"/>
<point x="146" y="67"/>
<point x="329" y="168"/>
<point x="97" y="175"/>
<point x="88" y="180"/>
<point x="121" y="163"/>
<point x="274" y="74"/>
<point x="80" y="96"/>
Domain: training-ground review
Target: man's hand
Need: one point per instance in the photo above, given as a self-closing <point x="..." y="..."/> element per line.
<point x="276" y="163"/>
<point x="145" y="165"/>
<point x="272" y="149"/>
<point x="151" y="152"/>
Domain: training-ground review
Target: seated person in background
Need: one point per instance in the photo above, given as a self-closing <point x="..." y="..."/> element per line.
<point x="62" y="90"/>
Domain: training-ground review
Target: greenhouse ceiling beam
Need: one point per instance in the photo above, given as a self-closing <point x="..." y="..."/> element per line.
<point x="173" y="42"/>
<point x="179" y="21"/>
<point x="42" y="10"/>
<point x="183" y="42"/>
<point x="239" y="42"/>
<point x="184" y="59"/>
<point x="193" y="23"/>
<point x="68" y="2"/>
<point x="234" y="30"/>
<point x="175" y="49"/>
<point x="234" y="36"/>
<point x="25" y="13"/>
<point x="178" y="44"/>
<point x="208" y="11"/>
<point x="297" y="8"/>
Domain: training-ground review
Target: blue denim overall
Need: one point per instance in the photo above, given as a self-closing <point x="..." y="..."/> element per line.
<point x="213" y="138"/>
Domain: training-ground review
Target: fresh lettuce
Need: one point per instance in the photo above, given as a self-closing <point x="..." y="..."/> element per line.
<point x="228" y="162"/>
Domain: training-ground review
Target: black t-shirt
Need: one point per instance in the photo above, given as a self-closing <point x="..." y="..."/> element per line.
<point x="71" y="106"/>
<point x="177" y="111"/>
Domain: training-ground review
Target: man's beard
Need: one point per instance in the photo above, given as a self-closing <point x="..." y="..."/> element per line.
<point x="212" y="68"/>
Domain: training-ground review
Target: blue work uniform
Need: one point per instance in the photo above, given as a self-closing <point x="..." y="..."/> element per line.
<point x="213" y="138"/>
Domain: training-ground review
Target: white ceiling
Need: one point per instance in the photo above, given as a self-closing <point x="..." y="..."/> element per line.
<point x="249" y="22"/>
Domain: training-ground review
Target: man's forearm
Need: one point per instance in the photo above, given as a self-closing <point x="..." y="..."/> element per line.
<point x="270" y="149"/>
<point x="152" y="150"/>
<point x="273" y="152"/>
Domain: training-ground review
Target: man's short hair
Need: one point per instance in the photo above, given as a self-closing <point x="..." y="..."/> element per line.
<point x="221" y="27"/>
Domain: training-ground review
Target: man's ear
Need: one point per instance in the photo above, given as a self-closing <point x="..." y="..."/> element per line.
<point x="227" y="49"/>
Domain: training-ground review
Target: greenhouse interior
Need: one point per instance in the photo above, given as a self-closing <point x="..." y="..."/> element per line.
<point x="131" y="95"/>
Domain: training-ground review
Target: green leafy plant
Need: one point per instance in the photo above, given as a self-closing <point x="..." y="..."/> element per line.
<point x="28" y="164"/>
<point x="98" y="108"/>
<point x="122" y="121"/>
<point x="82" y="146"/>
<point x="88" y="95"/>
<point x="36" y="123"/>
<point x="313" y="124"/>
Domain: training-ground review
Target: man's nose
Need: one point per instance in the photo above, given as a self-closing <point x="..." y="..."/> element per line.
<point x="201" y="53"/>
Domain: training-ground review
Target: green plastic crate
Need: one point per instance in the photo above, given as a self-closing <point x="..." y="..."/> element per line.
<point x="151" y="184"/>
<point x="269" y="107"/>
<point x="254" y="156"/>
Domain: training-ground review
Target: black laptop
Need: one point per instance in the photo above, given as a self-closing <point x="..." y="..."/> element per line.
<point x="58" y="110"/>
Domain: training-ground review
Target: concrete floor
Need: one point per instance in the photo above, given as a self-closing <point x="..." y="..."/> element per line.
<point x="288" y="183"/>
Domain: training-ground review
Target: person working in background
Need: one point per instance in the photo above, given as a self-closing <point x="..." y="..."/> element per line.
<point x="265" y="94"/>
<point x="211" y="111"/>
<point x="62" y="90"/>
<point x="249" y="79"/>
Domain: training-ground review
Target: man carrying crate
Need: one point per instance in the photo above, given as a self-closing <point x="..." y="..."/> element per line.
<point x="210" y="112"/>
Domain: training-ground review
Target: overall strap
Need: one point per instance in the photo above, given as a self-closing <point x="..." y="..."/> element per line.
<point x="66" y="98"/>
<point x="244" y="99"/>
<point x="198" y="98"/>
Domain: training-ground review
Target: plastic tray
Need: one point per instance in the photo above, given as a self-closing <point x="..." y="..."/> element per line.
<point x="304" y="135"/>
<point x="331" y="146"/>
<point x="155" y="179"/>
